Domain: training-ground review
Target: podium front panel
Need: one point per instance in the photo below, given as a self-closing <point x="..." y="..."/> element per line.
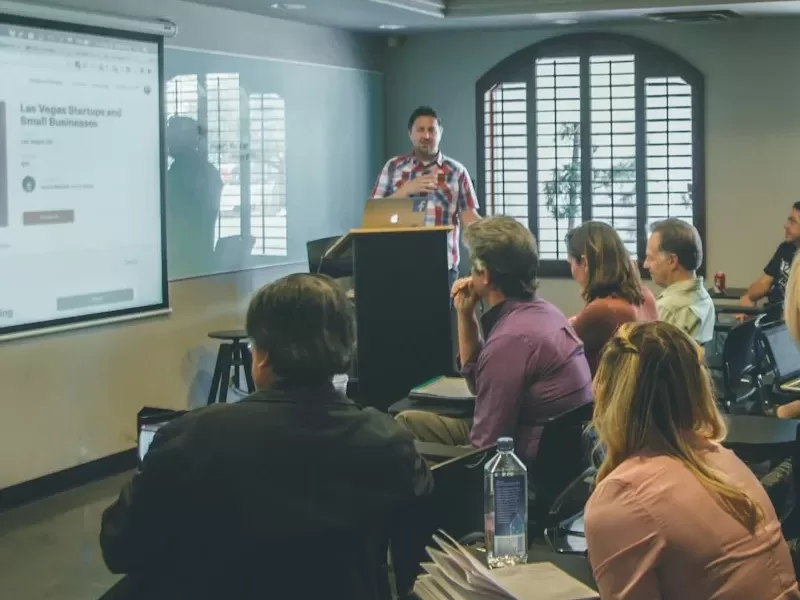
<point x="402" y="291"/>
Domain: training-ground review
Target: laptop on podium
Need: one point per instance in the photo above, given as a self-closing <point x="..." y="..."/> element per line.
<point x="380" y="213"/>
<point x="386" y="213"/>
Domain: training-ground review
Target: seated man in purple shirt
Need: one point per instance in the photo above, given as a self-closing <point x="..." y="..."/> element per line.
<point x="530" y="367"/>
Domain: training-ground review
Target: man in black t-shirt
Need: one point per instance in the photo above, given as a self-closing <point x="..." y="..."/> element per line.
<point x="772" y="284"/>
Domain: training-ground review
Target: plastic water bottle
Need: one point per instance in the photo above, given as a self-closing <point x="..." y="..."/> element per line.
<point x="505" y="486"/>
<point x="340" y="382"/>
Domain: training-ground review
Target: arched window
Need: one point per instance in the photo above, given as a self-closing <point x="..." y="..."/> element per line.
<point x="591" y="126"/>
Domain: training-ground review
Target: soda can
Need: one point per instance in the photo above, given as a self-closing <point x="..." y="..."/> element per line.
<point x="719" y="282"/>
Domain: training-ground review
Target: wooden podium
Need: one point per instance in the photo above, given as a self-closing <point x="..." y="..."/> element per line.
<point x="402" y="302"/>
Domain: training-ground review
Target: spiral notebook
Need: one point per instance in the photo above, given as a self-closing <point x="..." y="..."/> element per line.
<point x="455" y="574"/>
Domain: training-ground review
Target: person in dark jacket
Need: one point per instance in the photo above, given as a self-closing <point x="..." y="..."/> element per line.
<point x="287" y="494"/>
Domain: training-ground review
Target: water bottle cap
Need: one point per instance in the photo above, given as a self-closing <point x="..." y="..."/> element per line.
<point x="505" y="444"/>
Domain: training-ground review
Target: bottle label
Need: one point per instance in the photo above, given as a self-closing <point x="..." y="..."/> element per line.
<point x="510" y="498"/>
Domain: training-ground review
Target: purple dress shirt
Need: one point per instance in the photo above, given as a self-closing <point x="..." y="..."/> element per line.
<point x="531" y="367"/>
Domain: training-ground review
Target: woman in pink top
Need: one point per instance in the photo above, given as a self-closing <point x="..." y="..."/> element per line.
<point x="610" y="286"/>
<point x="675" y="516"/>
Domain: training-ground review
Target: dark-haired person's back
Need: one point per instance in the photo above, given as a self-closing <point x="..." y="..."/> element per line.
<point x="287" y="494"/>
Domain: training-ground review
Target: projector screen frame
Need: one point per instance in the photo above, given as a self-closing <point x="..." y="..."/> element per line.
<point x="53" y="326"/>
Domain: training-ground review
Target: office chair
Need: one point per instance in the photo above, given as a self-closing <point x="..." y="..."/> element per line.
<point x="737" y="382"/>
<point x="565" y="535"/>
<point x="562" y="462"/>
<point x="780" y="484"/>
<point x="333" y="267"/>
<point x="455" y="506"/>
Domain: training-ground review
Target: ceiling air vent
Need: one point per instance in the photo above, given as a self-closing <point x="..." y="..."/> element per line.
<point x="699" y="16"/>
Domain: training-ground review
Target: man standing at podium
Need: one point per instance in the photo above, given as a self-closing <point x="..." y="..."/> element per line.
<point x="426" y="173"/>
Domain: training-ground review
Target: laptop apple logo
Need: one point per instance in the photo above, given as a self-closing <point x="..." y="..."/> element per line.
<point x="394" y="219"/>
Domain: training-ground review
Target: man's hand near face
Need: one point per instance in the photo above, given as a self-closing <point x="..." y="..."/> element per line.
<point x="464" y="297"/>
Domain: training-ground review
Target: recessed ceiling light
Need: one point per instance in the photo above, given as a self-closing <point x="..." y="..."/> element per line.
<point x="279" y="6"/>
<point x="392" y="27"/>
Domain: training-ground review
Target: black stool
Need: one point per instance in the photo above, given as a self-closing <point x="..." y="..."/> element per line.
<point x="232" y="355"/>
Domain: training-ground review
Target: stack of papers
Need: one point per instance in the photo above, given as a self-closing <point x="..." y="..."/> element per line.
<point x="456" y="574"/>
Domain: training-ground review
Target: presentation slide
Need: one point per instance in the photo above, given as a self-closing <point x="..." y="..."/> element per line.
<point x="80" y="178"/>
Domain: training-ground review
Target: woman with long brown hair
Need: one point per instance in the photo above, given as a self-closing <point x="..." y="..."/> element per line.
<point x="610" y="286"/>
<point x="675" y="515"/>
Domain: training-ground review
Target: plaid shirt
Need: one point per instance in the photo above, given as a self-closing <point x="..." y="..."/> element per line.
<point x="454" y="192"/>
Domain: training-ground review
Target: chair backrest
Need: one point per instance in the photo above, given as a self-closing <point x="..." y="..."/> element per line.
<point x="341" y="266"/>
<point x="458" y="492"/>
<point x="564" y="453"/>
<point x="738" y="353"/>
<point x="455" y="506"/>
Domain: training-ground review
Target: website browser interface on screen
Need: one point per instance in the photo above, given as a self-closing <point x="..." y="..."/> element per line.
<point x="80" y="176"/>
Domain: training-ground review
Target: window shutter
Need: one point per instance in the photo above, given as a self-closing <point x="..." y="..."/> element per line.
<point x="613" y="118"/>
<point x="268" y="174"/>
<point x="669" y="159"/>
<point x="558" y="151"/>
<point x="506" y="151"/>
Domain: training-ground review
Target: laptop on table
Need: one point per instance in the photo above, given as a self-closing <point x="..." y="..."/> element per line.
<point x="148" y="421"/>
<point x="785" y="357"/>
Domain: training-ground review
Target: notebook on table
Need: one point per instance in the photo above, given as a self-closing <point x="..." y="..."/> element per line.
<point x="443" y="389"/>
<point x="454" y="573"/>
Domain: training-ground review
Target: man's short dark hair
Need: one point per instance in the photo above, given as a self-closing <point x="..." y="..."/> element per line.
<point x="507" y="250"/>
<point x="305" y="324"/>
<point x="423" y="111"/>
<point x="681" y="239"/>
<point x="796" y="206"/>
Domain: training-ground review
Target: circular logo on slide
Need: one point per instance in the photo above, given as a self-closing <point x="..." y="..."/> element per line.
<point x="29" y="184"/>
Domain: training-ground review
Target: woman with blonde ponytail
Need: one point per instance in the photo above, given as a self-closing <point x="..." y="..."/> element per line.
<point x="675" y="516"/>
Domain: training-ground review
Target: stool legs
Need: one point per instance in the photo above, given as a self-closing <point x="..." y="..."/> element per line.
<point x="227" y="361"/>
<point x="212" y="393"/>
<point x="222" y="371"/>
<point x="247" y="360"/>
<point x="236" y="363"/>
<point x="230" y="358"/>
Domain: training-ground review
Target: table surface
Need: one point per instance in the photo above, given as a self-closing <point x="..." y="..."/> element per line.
<point x="574" y="565"/>
<point x="730" y="293"/>
<point x="756" y="430"/>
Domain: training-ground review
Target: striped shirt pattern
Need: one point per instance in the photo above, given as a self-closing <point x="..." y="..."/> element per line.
<point x="454" y="192"/>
